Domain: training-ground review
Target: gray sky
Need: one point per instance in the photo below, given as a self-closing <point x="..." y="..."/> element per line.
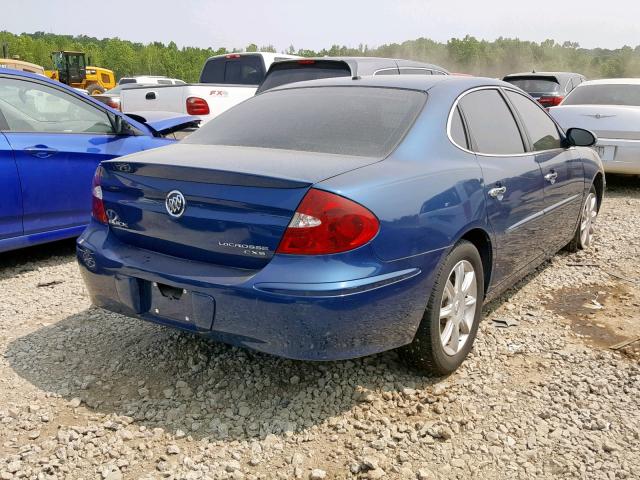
<point x="318" y="24"/>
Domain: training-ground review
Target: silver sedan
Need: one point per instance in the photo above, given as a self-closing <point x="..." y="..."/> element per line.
<point x="610" y="108"/>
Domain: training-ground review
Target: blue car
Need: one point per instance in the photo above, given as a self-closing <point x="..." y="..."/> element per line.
<point x="342" y="217"/>
<point x="52" y="138"/>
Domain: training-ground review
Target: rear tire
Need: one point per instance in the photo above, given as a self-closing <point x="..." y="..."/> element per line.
<point x="583" y="236"/>
<point x="95" y="89"/>
<point x="450" y="323"/>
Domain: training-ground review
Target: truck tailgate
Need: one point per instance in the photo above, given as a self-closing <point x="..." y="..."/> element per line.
<point x="173" y="98"/>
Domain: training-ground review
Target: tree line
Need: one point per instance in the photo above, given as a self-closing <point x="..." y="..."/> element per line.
<point x="465" y="55"/>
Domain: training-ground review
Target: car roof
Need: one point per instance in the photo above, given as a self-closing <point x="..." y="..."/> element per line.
<point x="369" y="65"/>
<point x="411" y="82"/>
<point x="613" y="81"/>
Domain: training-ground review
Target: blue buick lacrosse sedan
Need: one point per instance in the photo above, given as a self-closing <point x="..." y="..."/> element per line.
<point x="343" y="217"/>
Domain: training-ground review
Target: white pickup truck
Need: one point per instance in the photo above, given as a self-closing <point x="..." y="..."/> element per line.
<point x="225" y="81"/>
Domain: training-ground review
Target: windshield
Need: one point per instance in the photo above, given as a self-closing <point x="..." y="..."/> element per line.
<point x="301" y="70"/>
<point x="535" y="85"/>
<point x="612" y="94"/>
<point x="360" y="121"/>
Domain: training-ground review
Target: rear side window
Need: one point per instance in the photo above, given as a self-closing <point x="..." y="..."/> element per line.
<point x="302" y="70"/>
<point x="234" y="69"/>
<point x="124" y="81"/>
<point x="491" y="123"/>
<point x="535" y="85"/>
<point x="458" y="134"/>
<point x="162" y="81"/>
<point x="358" y="121"/>
<point x="541" y="129"/>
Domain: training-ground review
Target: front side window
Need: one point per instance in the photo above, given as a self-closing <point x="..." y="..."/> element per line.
<point x="347" y="121"/>
<point x="33" y="107"/>
<point x="542" y="131"/>
<point x="491" y="123"/>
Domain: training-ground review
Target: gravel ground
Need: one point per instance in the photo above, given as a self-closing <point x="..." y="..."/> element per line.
<point x="89" y="394"/>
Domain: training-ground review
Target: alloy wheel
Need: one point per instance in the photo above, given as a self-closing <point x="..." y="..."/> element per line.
<point x="458" y="307"/>
<point x="589" y="214"/>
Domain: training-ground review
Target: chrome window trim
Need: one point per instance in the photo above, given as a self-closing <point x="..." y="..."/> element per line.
<point x="498" y="155"/>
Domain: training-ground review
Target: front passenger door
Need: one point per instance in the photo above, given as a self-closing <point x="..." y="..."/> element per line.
<point x="513" y="181"/>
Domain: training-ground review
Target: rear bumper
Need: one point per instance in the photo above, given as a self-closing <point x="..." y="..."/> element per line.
<point x="308" y="308"/>
<point x="620" y="156"/>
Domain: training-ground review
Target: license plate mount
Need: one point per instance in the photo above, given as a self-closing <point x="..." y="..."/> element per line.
<point x="181" y="305"/>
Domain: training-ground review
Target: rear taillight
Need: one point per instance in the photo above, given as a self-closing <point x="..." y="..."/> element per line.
<point x="114" y="103"/>
<point x="550" y="101"/>
<point x="327" y="223"/>
<point x="197" y="106"/>
<point x="97" y="206"/>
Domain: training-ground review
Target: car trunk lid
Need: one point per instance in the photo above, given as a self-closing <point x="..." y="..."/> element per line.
<point x="606" y="121"/>
<point x="238" y="200"/>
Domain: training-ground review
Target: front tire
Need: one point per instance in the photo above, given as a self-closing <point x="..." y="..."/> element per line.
<point x="450" y="323"/>
<point x="583" y="236"/>
<point x="95" y="89"/>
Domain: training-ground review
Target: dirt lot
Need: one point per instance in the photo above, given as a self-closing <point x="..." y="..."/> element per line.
<point x="89" y="394"/>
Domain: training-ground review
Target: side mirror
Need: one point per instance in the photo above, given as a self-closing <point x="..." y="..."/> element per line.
<point x="118" y="124"/>
<point x="579" y="137"/>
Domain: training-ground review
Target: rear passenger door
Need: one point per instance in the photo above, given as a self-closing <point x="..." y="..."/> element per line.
<point x="561" y="167"/>
<point x="513" y="182"/>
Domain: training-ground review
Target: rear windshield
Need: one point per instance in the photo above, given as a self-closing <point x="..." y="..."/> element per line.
<point x="301" y="70"/>
<point x="360" y="121"/>
<point x="535" y="85"/>
<point x="604" y="95"/>
<point x="234" y="70"/>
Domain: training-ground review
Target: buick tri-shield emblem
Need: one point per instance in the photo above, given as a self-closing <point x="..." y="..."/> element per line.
<point x="175" y="203"/>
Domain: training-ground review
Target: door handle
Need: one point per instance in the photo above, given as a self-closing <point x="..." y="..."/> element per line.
<point x="150" y="96"/>
<point x="551" y="177"/>
<point x="497" y="192"/>
<point x="41" y="151"/>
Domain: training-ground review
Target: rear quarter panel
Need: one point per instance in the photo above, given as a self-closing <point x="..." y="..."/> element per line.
<point x="427" y="194"/>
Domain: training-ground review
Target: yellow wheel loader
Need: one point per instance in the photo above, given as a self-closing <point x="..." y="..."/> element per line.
<point x="71" y="68"/>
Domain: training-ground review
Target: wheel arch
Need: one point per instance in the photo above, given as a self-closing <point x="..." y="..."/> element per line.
<point x="480" y="239"/>
<point x="598" y="183"/>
